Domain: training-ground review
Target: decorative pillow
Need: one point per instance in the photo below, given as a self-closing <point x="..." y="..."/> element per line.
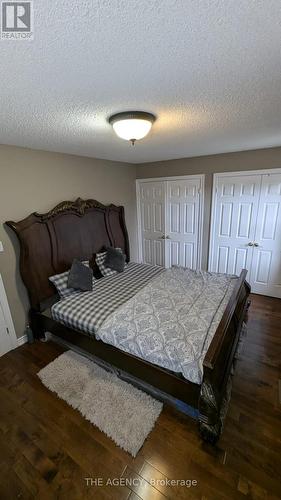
<point x="100" y="260"/>
<point x="80" y="277"/>
<point x="60" y="282"/>
<point x="115" y="259"/>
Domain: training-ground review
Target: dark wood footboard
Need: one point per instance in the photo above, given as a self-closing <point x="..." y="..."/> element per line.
<point x="219" y="361"/>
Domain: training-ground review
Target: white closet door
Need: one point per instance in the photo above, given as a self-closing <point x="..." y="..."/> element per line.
<point x="152" y="207"/>
<point x="234" y="215"/>
<point x="5" y="340"/>
<point x="8" y="339"/>
<point x="182" y="228"/>
<point x="265" y="275"/>
<point x="170" y="216"/>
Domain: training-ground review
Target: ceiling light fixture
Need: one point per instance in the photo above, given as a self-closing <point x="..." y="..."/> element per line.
<point x="132" y="125"/>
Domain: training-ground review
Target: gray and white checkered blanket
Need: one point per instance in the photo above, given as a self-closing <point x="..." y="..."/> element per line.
<point x="86" y="311"/>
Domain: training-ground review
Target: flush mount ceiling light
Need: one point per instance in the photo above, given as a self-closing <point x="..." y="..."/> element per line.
<point x="132" y="125"/>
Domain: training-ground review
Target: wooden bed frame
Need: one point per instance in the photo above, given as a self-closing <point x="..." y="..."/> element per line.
<point x="49" y="242"/>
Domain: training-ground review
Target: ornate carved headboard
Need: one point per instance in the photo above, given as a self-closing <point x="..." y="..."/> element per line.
<point x="49" y="242"/>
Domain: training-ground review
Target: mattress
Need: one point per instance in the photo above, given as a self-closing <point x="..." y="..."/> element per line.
<point x="172" y="320"/>
<point x="167" y="317"/>
<point x="86" y="311"/>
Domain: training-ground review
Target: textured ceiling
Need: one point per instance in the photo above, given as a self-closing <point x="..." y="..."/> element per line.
<point x="209" y="69"/>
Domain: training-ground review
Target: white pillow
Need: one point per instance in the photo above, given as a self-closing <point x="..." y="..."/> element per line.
<point x="60" y="282"/>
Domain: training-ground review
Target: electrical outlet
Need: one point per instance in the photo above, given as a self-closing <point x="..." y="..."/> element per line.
<point x="1" y="247"/>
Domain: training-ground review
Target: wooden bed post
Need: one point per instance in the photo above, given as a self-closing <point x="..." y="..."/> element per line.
<point x="218" y="364"/>
<point x="210" y="423"/>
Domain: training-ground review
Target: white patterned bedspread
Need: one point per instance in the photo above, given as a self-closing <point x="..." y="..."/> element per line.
<point x="172" y="320"/>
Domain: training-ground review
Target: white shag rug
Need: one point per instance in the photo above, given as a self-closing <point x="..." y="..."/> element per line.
<point x="124" y="413"/>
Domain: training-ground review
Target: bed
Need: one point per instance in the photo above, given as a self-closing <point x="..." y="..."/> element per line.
<point x="115" y="322"/>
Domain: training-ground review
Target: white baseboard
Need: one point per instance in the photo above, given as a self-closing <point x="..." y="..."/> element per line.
<point x="22" y="340"/>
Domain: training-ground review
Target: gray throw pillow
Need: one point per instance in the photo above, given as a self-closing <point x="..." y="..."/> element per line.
<point x="115" y="259"/>
<point x="80" y="277"/>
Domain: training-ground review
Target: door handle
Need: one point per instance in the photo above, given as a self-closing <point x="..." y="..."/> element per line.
<point x="250" y="244"/>
<point x="256" y="244"/>
<point x="163" y="237"/>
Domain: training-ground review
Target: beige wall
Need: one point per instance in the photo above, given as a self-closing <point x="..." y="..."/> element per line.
<point x="36" y="181"/>
<point x="246" y="160"/>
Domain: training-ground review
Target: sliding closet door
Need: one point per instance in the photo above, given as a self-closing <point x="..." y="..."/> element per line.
<point x="265" y="277"/>
<point x="183" y="222"/>
<point x="152" y="222"/>
<point x="234" y="216"/>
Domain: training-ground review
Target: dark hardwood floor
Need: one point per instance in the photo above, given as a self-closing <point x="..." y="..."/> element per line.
<point x="47" y="449"/>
